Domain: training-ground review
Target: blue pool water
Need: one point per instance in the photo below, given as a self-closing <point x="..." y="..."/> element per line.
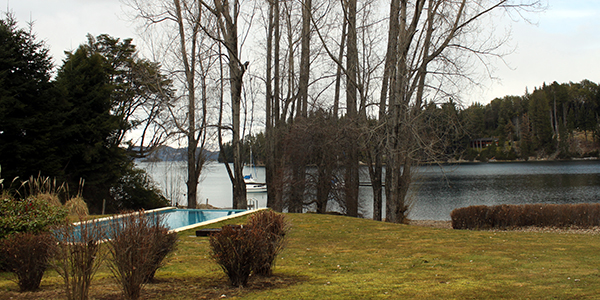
<point x="173" y="218"/>
<point x="177" y="218"/>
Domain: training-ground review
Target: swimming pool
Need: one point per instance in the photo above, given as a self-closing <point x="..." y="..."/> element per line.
<point x="177" y="219"/>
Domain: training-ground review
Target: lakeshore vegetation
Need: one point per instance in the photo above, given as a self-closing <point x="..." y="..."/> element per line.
<point x="337" y="257"/>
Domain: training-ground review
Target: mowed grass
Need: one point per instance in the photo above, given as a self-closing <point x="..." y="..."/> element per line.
<point x="336" y="257"/>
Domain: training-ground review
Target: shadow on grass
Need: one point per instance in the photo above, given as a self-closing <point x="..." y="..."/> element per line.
<point x="210" y="287"/>
<point x="213" y="287"/>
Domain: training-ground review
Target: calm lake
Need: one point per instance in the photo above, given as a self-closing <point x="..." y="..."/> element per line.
<point x="436" y="192"/>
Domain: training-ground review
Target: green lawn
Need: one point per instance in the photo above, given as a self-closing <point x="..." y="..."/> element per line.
<point x="334" y="257"/>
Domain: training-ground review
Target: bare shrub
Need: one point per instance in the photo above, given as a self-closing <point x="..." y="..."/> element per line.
<point x="272" y="227"/>
<point x="77" y="256"/>
<point x="26" y="255"/>
<point x="137" y="249"/>
<point x="77" y="206"/>
<point x="164" y="243"/>
<point x="234" y="248"/>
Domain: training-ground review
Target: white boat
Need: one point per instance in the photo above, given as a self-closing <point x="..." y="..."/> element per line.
<point x="255" y="187"/>
<point x="251" y="185"/>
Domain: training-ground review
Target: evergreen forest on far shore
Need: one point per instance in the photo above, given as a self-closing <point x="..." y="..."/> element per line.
<point x="554" y="122"/>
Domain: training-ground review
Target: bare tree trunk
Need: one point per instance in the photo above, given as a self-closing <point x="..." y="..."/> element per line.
<point x="269" y="124"/>
<point x="398" y="138"/>
<point x="194" y="160"/>
<point x="351" y="177"/>
<point x="304" y="59"/>
<point x="227" y="22"/>
<point x="376" y="172"/>
<point x="277" y="174"/>
<point x="298" y="164"/>
<point x="338" y="74"/>
<point x="374" y="148"/>
<point x="273" y="164"/>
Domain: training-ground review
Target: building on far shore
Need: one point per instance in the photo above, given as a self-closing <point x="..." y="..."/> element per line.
<point x="482" y="143"/>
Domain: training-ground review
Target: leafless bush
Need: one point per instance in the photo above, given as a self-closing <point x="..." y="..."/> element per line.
<point x="235" y="248"/>
<point x="77" y="256"/>
<point x="164" y="243"/>
<point x="250" y="249"/>
<point x="137" y="248"/>
<point x="272" y="227"/>
<point x="26" y="255"/>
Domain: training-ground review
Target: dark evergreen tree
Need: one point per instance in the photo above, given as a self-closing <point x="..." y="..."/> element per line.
<point x="540" y="121"/>
<point x="107" y="87"/>
<point x="89" y="128"/>
<point x="29" y="115"/>
<point x="140" y="91"/>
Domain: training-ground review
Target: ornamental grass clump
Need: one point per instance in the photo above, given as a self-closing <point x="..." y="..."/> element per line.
<point x="138" y="245"/>
<point x="78" y="255"/>
<point x="42" y="185"/>
<point x="77" y="206"/>
<point x="272" y="227"/>
<point x="26" y="255"/>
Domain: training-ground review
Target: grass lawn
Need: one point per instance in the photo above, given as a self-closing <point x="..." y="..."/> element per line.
<point x="335" y="257"/>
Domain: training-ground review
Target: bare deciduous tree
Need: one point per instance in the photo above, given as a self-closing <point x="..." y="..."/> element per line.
<point x="186" y="53"/>
<point x="426" y="52"/>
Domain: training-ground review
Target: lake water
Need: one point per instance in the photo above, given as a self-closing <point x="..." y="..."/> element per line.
<point x="436" y="192"/>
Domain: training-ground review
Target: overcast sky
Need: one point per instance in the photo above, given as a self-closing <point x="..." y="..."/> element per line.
<point x="564" y="45"/>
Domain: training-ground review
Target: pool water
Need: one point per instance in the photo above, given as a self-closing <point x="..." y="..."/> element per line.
<point x="178" y="218"/>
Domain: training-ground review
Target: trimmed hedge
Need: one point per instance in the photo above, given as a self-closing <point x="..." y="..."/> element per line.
<point x="510" y="216"/>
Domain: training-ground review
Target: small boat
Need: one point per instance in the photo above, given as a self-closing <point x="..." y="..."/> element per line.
<point x="251" y="185"/>
<point x="254" y="187"/>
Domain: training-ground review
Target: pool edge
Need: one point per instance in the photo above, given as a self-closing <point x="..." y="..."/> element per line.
<point x="122" y="215"/>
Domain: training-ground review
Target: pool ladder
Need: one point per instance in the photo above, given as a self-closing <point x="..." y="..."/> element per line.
<point x="252" y="204"/>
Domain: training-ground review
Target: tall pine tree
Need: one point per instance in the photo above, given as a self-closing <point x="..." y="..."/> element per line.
<point x="29" y="114"/>
<point x="89" y="127"/>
